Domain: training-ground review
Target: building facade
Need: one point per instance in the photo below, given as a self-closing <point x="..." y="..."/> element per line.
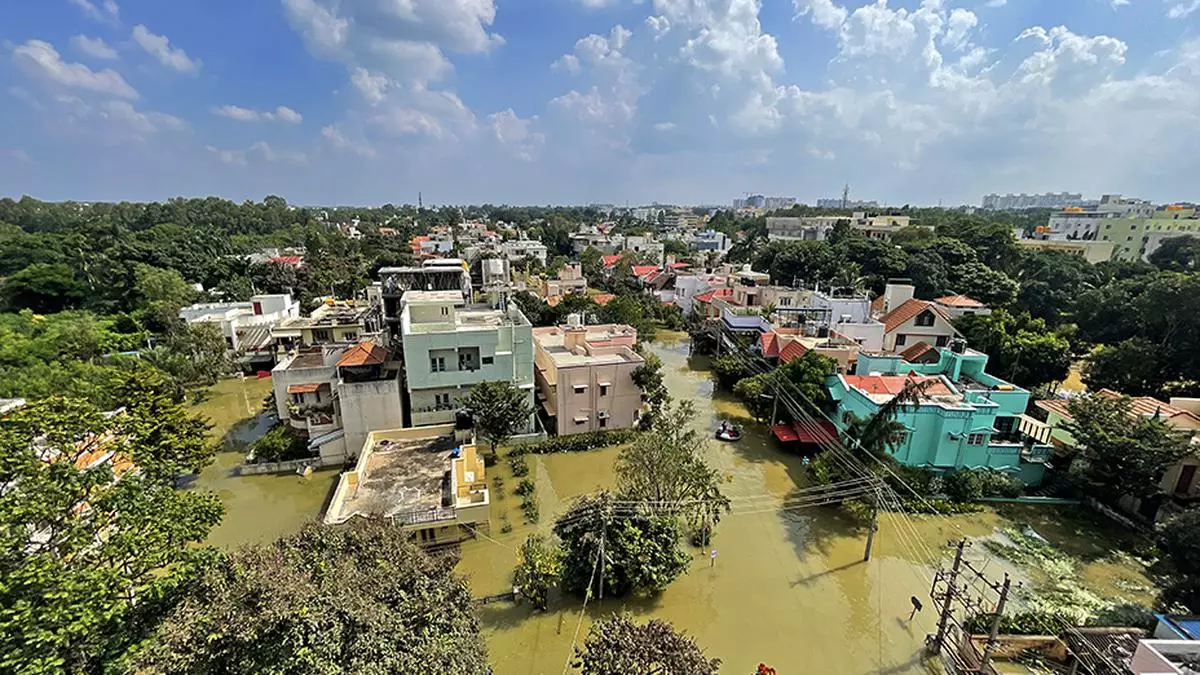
<point x="1135" y="238"/>
<point x="450" y="346"/>
<point x="585" y="376"/>
<point x="1049" y="200"/>
<point x="966" y="418"/>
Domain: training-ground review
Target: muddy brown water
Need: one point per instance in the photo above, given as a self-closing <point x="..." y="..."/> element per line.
<point x="788" y="587"/>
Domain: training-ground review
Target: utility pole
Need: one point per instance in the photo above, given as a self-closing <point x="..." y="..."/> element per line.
<point x="944" y="619"/>
<point x="874" y="526"/>
<point x="991" y="643"/>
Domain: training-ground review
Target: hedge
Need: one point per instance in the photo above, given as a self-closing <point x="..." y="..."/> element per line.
<point x="576" y="442"/>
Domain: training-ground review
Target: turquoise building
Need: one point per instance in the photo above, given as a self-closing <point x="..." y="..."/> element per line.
<point x="966" y="419"/>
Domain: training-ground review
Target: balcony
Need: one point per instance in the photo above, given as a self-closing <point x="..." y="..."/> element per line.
<point x="424" y="516"/>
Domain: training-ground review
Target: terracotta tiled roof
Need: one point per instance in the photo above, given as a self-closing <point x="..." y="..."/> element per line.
<point x="877" y="304"/>
<point x="1143" y="406"/>
<point x="554" y="300"/>
<point x="916" y="351"/>
<point x="716" y="293"/>
<point x="306" y="388"/>
<point x="602" y="298"/>
<point x="894" y="384"/>
<point x="363" y="354"/>
<point x="793" y="350"/>
<point x="287" y="259"/>
<point x="643" y="270"/>
<point x="912" y="307"/>
<point x="959" y="301"/>
<point x="679" y="265"/>
<point x="610" y="260"/>
<point x="770" y="345"/>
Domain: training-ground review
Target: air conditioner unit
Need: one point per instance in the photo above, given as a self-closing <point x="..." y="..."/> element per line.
<point x="603" y="414"/>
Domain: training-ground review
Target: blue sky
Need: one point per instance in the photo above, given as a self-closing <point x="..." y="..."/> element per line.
<point x="577" y="101"/>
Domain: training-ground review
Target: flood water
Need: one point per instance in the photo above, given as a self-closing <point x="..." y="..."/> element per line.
<point x="788" y="587"/>
<point x="257" y="508"/>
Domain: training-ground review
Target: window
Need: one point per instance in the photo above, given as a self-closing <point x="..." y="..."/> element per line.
<point x="257" y="308"/>
<point x="901" y="339"/>
<point x="976" y="439"/>
<point x="942" y="340"/>
<point x="785" y="301"/>
<point x="445" y="311"/>
<point x="603" y="422"/>
<point x="580" y="388"/>
<point x="349" y="336"/>
<point x="441" y="400"/>
<point x="604" y="390"/>
<point x="488" y="360"/>
<point x="437" y="364"/>
<point x="322" y="335"/>
<point x="1133" y="227"/>
<point x="297" y="398"/>
<point x="925" y="318"/>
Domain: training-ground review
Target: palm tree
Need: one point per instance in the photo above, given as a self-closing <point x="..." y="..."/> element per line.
<point x="880" y="432"/>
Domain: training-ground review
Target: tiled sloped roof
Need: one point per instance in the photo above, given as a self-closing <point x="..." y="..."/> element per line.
<point x="770" y="345"/>
<point x="912" y="307"/>
<point x="363" y="354"/>
<point x="792" y="350"/>
<point x="959" y="301"/>
<point x="643" y="270"/>
<point x="609" y="260"/>
<point x="1143" y="406"/>
<point x="916" y="351"/>
<point x="894" y="384"/>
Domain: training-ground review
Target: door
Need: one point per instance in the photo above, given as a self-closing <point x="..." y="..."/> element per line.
<point x="1186" y="474"/>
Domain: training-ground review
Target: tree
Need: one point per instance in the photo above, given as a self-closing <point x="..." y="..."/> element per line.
<point x="500" y="410"/>
<point x="591" y="264"/>
<point x="193" y="354"/>
<point x="1121" y="453"/>
<point x="1135" y="367"/>
<point x="617" y="646"/>
<point x="162" y="293"/>
<point x="1021" y="349"/>
<point x="44" y="288"/>
<point x="1179" y="540"/>
<point x="989" y="286"/>
<point x="539" y="569"/>
<point x="357" y="598"/>
<point x="649" y="378"/>
<point x="1177" y="254"/>
<point x="666" y="466"/>
<point x="642" y="554"/>
<point x="92" y="553"/>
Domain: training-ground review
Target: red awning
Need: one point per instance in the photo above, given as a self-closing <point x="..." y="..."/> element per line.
<point x="813" y="433"/>
<point x="785" y="433"/>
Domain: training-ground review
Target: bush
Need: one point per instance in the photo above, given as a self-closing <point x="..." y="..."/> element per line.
<point x="498" y="487"/>
<point x="505" y="524"/>
<point x="576" y="442"/>
<point x="519" y="466"/>
<point x="525" y="487"/>
<point x="971" y="484"/>
<point x="279" y="444"/>
<point x="529" y="506"/>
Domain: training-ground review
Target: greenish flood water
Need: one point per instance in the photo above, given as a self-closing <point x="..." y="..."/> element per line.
<point x="257" y="508"/>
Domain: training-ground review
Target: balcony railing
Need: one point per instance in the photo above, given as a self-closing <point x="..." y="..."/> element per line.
<point x="420" y="517"/>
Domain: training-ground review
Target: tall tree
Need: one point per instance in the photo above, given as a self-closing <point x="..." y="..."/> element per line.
<point x="1021" y="349"/>
<point x="1179" y="540"/>
<point x="1121" y="453"/>
<point x="1177" y="254"/>
<point x="358" y="598"/>
<point x="500" y="410"/>
<point x="93" y="546"/>
<point x="617" y="646"/>
<point x="539" y="568"/>
<point x="44" y="288"/>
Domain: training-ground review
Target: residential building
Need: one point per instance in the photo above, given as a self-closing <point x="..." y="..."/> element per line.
<point x="420" y="480"/>
<point x="688" y="286"/>
<point x="450" y="346"/>
<point x="817" y="228"/>
<point x="907" y="320"/>
<point x="1179" y="483"/>
<point x="958" y="305"/>
<point x="840" y="314"/>
<point x="1077" y="222"/>
<point x="711" y="240"/>
<point x="432" y="245"/>
<point x="334" y="395"/>
<point x="246" y="326"/>
<point x="842" y="203"/>
<point x="568" y="281"/>
<point x="1091" y="251"/>
<point x="332" y="322"/>
<point x="1136" y="238"/>
<point x="585" y="376"/>
<point x="446" y="274"/>
<point x="966" y="418"/>
<point x="524" y="248"/>
<point x="641" y="244"/>
<point x="1049" y="200"/>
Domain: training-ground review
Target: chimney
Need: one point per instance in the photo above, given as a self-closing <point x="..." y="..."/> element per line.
<point x="896" y="293"/>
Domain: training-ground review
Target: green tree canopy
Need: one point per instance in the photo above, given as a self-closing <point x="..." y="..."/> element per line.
<point x="93" y="549"/>
<point x="44" y="288"/>
<point x="500" y="410"/>
<point x="1020" y="348"/>
<point x="617" y="646"/>
<point x="1121" y="453"/>
<point x="357" y="598"/>
<point x="539" y="568"/>
<point x="1177" y="254"/>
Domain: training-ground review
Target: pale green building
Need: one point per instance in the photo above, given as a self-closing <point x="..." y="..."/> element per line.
<point x="1137" y="238"/>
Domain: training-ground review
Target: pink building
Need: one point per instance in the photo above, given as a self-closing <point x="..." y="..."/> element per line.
<point x="584" y="376"/>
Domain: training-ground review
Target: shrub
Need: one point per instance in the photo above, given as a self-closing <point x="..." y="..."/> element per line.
<point x="970" y="484"/>
<point x="505" y="524"/>
<point x="280" y="443"/>
<point x="529" y="506"/>
<point x="498" y="487"/>
<point x="576" y="442"/>
<point x="519" y="466"/>
<point x="525" y="487"/>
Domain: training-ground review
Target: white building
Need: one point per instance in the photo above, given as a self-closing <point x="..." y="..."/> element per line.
<point x="238" y="321"/>
<point x="1075" y="222"/>
<point x="688" y="286"/>
<point x="524" y="248"/>
<point x="817" y="228"/>
<point x="1049" y="200"/>
<point x="711" y="240"/>
<point x="450" y="346"/>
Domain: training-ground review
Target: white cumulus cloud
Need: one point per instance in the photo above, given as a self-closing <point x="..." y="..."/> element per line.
<point x="279" y="114"/>
<point x="94" y="47"/>
<point x="160" y="48"/>
<point x="41" y="60"/>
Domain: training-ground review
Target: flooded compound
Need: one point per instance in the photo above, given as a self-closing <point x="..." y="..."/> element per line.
<point x="257" y="508"/>
<point x="788" y="588"/>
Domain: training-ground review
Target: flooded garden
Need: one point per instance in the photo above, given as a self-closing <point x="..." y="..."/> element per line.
<point x="788" y="586"/>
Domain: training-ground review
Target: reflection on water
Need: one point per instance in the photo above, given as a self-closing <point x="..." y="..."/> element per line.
<point x="257" y="508"/>
<point x="788" y="588"/>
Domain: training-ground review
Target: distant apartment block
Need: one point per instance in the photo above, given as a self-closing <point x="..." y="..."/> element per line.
<point x="1049" y="200"/>
<point x="839" y="203"/>
<point x="1135" y="238"/>
<point x="450" y="346"/>
<point x="817" y="228"/>
<point x="524" y="248"/>
<point x="1091" y="251"/>
<point x="585" y="376"/>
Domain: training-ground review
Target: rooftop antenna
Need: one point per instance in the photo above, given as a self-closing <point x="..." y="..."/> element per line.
<point x="846" y="196"/>
<point x="420" y="202"/>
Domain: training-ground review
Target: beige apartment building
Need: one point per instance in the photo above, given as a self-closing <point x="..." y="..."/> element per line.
<point x="584" y="376"/>
<point x="570" y="281"/>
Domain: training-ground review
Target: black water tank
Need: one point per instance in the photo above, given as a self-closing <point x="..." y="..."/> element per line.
<point x="463" y="419"/>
